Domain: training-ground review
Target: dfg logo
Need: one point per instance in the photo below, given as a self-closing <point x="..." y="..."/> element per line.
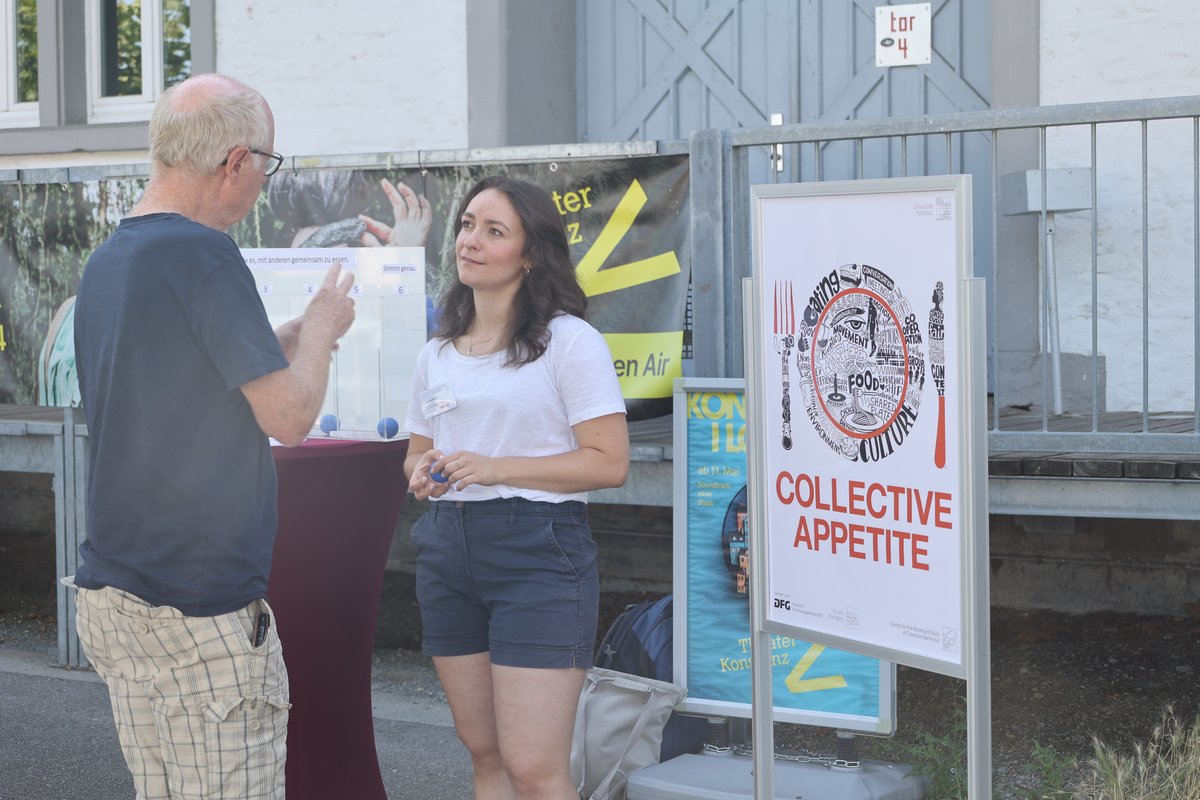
<point x="784" y="604"/>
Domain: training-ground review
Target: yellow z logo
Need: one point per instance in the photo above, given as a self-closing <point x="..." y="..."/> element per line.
<point x="796" y="682"/>
<point x="623" y="276"/>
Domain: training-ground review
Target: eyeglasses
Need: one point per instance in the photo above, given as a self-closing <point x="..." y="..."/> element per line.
<point x="275" y="161"/>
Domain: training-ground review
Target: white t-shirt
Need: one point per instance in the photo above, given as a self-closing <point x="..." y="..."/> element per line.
<point x="514" y="411"/>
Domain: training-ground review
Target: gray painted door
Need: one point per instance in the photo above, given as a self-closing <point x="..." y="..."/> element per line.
<point x="659" y="69"/>
<point x="838" y="80"/>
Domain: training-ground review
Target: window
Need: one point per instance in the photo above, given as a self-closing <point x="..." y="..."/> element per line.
<point x="83" y="75"/>
<point x="136" y="48"/>
<point x="19" y="67"/>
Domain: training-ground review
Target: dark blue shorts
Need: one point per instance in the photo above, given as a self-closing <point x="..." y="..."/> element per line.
<point x="512" y="577"/>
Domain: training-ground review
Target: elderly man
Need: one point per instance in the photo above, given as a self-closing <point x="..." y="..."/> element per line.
<point x="182" y="381"/>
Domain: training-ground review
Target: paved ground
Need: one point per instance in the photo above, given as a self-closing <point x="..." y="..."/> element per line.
<point x="57" y="740"/>
<point x="1057" y="680"/>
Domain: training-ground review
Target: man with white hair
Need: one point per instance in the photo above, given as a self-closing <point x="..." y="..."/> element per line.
<point x="183" y="381"/>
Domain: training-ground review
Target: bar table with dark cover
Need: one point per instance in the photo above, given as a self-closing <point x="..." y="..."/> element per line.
<point x="339" y="502"/>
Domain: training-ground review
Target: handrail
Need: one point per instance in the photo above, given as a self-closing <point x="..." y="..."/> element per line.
<point x="996" y="119"/>
<point x="1124" y="206"/>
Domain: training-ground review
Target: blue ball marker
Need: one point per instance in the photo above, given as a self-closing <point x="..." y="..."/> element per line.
<point x="329" y="423"/>
<point x="438" y="477"/>
<point x="388" y="427"/>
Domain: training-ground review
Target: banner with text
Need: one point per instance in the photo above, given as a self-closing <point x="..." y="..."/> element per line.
<point x="812" y="683"/>
<point x="626" y="221"/>
<point x="857" y="284"/>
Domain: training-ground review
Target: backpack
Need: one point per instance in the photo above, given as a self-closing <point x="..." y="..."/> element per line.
<point x="639" y="642"/>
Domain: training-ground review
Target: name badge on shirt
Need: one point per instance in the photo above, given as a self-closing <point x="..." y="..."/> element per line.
<point x="437" y="400"/>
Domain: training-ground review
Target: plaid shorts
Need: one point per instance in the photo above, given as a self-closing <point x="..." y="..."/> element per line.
<point x="201" y="713"/>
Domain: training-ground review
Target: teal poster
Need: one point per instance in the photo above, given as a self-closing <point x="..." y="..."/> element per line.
<point x="810" y="678"/>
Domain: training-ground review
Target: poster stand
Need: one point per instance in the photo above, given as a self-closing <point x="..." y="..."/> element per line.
<point x="916" y="592"/>
<point x="814" y="685"/>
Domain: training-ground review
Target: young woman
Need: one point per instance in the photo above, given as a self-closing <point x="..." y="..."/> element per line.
<point x="515" y="415"/>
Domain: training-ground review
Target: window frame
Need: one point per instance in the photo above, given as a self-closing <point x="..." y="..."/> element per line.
<point x="124" y="108"/>
<point x="13" y="113"/>
<point x="63" y="94"/>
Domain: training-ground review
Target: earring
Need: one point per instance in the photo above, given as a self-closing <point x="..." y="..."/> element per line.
<point x="526" y="269"/>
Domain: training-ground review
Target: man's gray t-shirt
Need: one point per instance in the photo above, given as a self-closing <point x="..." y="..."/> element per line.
<point x="181" y="489"/>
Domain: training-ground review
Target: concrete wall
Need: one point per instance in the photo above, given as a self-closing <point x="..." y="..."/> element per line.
<point x="406" y="75"/>
<point x="521" y="72"/>
<point x="1100" y="50"/>
<point x="26" y="503"/>
<point x="1081" y="565"/>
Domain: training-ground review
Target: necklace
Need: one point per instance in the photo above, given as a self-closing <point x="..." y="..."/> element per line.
<point x="473" y="341"/>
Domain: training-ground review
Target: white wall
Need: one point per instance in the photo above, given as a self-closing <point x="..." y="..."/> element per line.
<point x="1100" y="50"/>
<point x="355" y="76"/>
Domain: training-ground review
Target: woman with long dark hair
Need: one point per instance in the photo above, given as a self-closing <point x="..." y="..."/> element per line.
<point x="516" y="414"/>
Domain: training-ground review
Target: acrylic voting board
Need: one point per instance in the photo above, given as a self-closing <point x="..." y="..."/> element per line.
<point x="372" y="368"/>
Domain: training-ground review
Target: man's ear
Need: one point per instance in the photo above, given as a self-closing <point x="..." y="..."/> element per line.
<point x="236" y="163"/>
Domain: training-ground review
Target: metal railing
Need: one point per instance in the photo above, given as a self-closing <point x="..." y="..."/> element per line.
<point x="1103" y="383"/>
<point x="1114" y="187"/>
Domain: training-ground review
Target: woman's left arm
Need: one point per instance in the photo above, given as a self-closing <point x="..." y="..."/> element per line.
<point x="601" y="462"/>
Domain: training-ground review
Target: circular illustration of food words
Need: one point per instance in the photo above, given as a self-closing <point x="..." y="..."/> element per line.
<point x="860" y="362"/>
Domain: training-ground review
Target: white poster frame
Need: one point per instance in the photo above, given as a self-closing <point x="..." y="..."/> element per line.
<point x="968" y="445"/>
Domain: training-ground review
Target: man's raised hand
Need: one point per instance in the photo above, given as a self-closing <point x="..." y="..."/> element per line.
<point x="332" y="310"/>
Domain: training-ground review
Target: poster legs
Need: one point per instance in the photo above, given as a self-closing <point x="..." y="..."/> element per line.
<point x="762" y="703"/>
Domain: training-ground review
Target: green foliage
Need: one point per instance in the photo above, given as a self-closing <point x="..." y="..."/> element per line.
<point x="123" y="46"/>
<point x="27" y="51"/>
<point x="1053" y="771"/>
<point x="123" y="49"/>
<point x="47" y="231"/>
<point x="943" y="757"/>
<point x="1165" y="768"/>
<point x="177" y="41"/>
